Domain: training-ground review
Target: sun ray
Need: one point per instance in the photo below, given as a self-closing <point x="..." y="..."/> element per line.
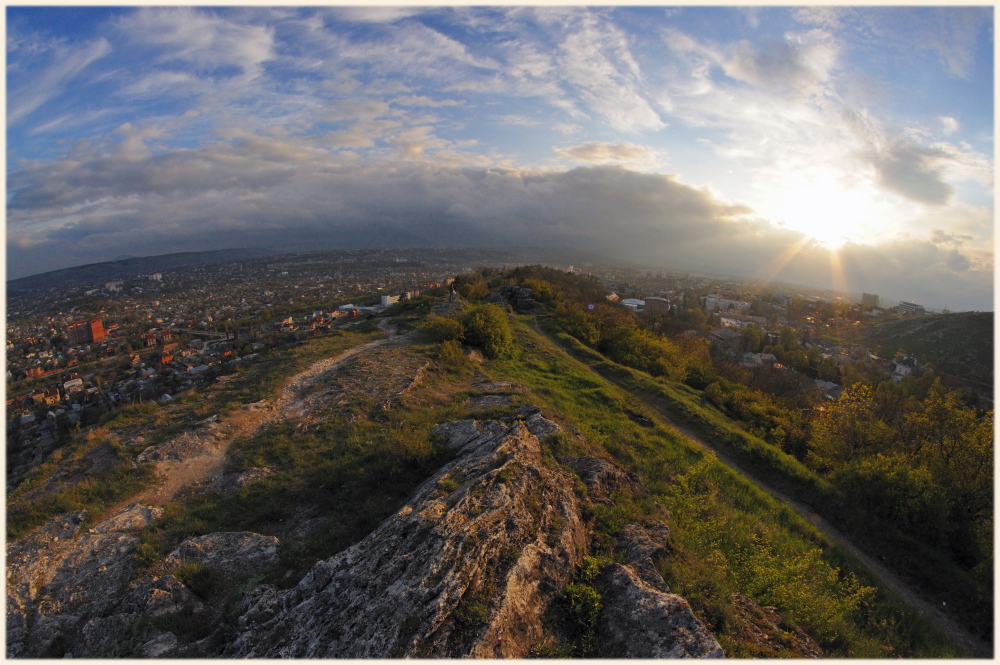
<point x="837" y="277"/>
<point x="778" y="263"/>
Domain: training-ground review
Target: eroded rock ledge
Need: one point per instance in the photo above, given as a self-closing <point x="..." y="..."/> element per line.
<point x="471" y="566"/>
<point x="467" y="568"/>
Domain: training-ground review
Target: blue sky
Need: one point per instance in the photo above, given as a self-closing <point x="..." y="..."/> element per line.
<point x="844" y="147"/>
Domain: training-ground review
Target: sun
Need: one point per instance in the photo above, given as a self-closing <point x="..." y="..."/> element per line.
<point x="823" y="210"/>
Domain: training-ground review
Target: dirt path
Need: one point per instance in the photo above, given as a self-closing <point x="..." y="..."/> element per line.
<point x="197" y="458"/>
<point x="888" y="579"/>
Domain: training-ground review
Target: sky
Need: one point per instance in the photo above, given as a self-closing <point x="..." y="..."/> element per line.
<point x="841" y="147"/>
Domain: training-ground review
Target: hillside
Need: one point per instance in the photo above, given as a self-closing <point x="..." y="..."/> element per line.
<point x="387" y="493"/>
<point x="959" y="345"/>
<point x="95" y="273"/>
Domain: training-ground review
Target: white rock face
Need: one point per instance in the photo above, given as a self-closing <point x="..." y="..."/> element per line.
<point x="229" y="554"/>
<point x="134" y="517"/>
<point x="466" y="568"/>
<point x="641" y="618"/>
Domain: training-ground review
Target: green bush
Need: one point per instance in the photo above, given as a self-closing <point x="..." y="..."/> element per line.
<point x="443" y="329"/>
<point x="451" y="357"/>
<point x="488" y="327"/>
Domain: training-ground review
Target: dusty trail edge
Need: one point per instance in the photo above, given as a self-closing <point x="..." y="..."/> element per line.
<point x="889" y="579"/>
<point x="175" y="476"/>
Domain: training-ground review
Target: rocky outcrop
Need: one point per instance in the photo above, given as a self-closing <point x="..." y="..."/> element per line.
<point x="467" y="568"/>
<point x="763" y="629"/>
<point x="233" y="555"/>
<point x="518" y="297"/>
<point x="472" y="566"/>
<point x="59" y="575"/>
<point x="602" y="478"/>
<point x="72" y="590"/>
<point x="641" y="618"/>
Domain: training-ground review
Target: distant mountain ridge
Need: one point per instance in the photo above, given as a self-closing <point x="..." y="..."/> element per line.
<point x="130" y="267"/>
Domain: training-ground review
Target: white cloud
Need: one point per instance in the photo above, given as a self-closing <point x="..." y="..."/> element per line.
<point x="518" y="120"/>
<point x="374" y="14"/>
<point x="798" y="62"/>
<point x="68" y="63"/>
<point x="199" y="39"/>
<point x="421" y="100"/>
<point x="565" y="128"/>
<point x="829" y="18"/>
<point x="948" y="125"/>
<point x="600" y="152"/>
<point x="594" y="58"/>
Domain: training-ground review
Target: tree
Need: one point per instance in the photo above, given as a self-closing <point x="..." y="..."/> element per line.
<point x="442" y="328"/>
<point x="753" y="337"/>
<point x="787" y="338"/>
<point x="849" y="429"/>
<point x="828" y="370"/>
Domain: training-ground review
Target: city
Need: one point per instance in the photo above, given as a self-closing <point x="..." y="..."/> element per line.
<point x="76" y="355"/>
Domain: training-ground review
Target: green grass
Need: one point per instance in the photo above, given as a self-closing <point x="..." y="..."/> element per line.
<point x="927" y="568"/>
<point x="727" y="535"/>
<point x="95" y="494"/>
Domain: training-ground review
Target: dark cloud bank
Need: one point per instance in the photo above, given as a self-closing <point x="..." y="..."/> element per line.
<point x="288" y="195"/>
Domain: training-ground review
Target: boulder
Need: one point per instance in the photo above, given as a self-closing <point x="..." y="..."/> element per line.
<point x="238" y="554"/>
<point x="134" y="517"/>
<point x="640" y="621"/>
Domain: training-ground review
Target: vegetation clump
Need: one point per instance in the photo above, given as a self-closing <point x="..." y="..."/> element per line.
<point x="487" y="327"/>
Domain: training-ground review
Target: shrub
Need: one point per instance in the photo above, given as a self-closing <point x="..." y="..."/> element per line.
<point x="443" y="329"/>
<point x="451" y="357"/>
<point x="197" y="577"/>
<point x="487" y="327"/>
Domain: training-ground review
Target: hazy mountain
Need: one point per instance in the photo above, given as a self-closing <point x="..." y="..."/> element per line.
<point x="124" y="267"/>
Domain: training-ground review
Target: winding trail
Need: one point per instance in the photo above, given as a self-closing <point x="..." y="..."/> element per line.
<point x="181" y="471"/>
<point x="889" y="579"/>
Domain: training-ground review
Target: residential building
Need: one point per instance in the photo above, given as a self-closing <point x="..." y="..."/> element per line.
<point x="911" y="308"/>
<point x="85" y="332"/>
<point x="727" y="340"/>
<point x="634" y="304"/>
<point x="654" y="305"/>
<point x="869" y="299"/>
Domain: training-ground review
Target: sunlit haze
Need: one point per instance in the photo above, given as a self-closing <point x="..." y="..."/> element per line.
<point x="744" y="141"/>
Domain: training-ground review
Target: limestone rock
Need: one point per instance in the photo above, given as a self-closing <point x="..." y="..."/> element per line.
<point x="232" y="482"/>
<point x="640" y="621"/>
<point x="642" y="547"/>
<point x="762" y="628"/>
<point x="602" y="478"/>
<point x="161" y="645"/>
<point x="541" y="426"/>
<point x="457" y="433"/>
<point x="237" y="554"/>
<point x="467" y="568"/>
<point x="133" y="517"/>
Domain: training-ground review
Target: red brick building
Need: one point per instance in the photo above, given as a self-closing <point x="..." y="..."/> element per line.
<point x="85" y="332"/>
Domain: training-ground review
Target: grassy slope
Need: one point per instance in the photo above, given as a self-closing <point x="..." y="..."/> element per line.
<point x="960" y="344"/>
<point x="926" y="568"/>
<point x="728" y="535"/>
